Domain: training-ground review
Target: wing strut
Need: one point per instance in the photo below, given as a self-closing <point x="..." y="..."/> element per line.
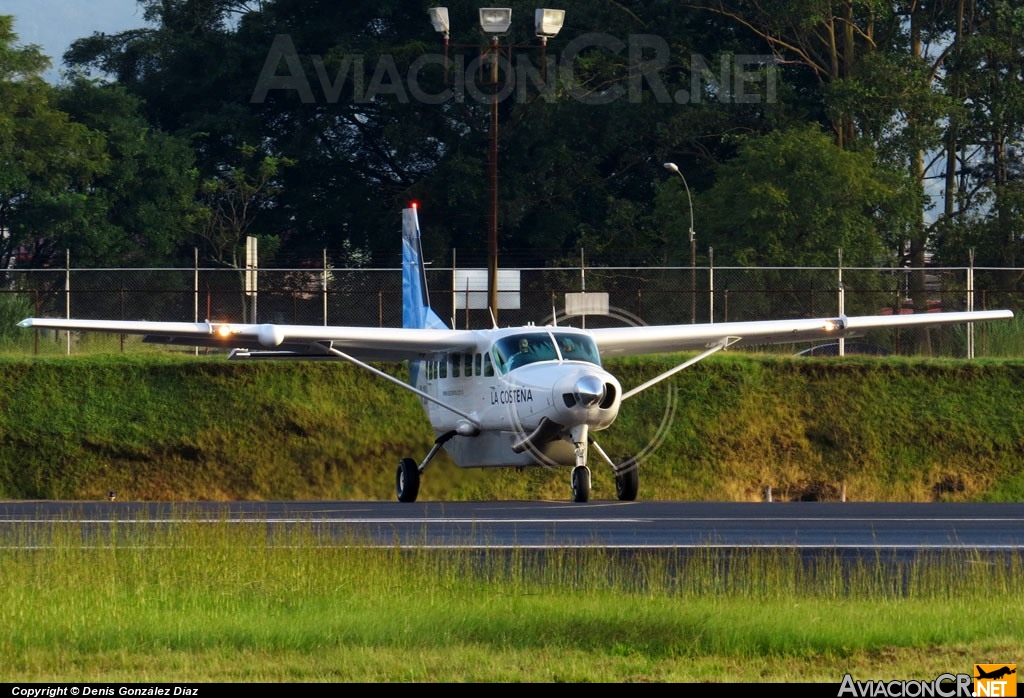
<point x="403" y="384"/>
<point x="723" y="343"/>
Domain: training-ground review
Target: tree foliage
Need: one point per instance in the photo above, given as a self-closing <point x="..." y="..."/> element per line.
<point x="985" y="74"/>
<point x="47" y="162"/>
<point x="232" y="201"/>
<point x="766" y="206"/>
<point x="145" y="201"/>
<point x="801" y="128"/>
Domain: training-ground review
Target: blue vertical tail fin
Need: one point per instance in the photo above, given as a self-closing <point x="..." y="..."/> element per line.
<point x="416" y="310"/>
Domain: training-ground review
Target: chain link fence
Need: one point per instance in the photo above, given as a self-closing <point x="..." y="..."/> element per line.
<point x="660" y="295"/>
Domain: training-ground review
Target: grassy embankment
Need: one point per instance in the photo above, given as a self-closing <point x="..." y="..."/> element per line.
<point x="160" y="426"/>
<point x="214" y="602"/>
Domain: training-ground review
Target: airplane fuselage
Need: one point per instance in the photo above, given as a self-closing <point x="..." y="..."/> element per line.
<point x="525" y="396"/>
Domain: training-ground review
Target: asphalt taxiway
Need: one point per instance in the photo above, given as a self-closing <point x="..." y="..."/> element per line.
<point x="553" y="524"/>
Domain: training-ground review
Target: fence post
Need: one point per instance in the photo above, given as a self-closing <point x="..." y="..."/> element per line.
<point x="36" y="304"/>
<point x="842" y="298"/>
<point x="325" y="287"/>
<point x="711" y="284"/>
<point x="195" y="290"/>
<point x="970" y="302"/>
<point x="67" y="295"/>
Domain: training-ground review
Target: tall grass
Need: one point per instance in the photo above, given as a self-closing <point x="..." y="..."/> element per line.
<point x="223" y="601"/>
<point x="13" y="309"/>
<point x="1004" y="339"/>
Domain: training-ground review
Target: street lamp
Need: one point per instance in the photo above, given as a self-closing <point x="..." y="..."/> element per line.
<point x="496" y="21"/>
<point x="672" y="167"/>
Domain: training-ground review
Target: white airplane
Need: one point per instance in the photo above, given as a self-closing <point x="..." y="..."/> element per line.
<point x="503" y="397"/>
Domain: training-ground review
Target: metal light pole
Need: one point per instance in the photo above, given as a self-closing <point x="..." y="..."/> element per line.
<point x="495" y="22"/>
<point x="492" y="228"/>
<point x="693" y="245"/>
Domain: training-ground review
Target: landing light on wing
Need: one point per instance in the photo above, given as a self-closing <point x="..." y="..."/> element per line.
<point x="835" y="325"/>
<point x="223" y="330"/>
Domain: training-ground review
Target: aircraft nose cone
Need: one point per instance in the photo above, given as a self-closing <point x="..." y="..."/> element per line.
<point x="589" y="390"/>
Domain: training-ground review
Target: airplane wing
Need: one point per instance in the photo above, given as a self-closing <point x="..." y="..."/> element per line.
<point x="653" y="339"/>
<point x="280" y="341"/>
<point x="399" y="344"/>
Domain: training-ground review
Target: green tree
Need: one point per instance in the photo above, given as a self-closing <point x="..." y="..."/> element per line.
<point x="579" y="162"/>
<point x="48" y="163"/>
<point x="231" y="203"/>
<point x="986" y="178"/>
<point x="355" y="93"/>
<point x="827" y="37"/>
<point x="206" y="71"/>
<point x="793" y="198"/>
<point x="878" y="63"/>
<point x="145" y="202"/>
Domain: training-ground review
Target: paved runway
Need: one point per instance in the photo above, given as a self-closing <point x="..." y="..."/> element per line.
<point x="546" y="524"/>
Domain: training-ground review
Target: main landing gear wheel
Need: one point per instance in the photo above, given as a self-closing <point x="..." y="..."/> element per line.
<point x="407" y="480"/>
<point x="627" y="480"/>
<point x="581" y="484"/>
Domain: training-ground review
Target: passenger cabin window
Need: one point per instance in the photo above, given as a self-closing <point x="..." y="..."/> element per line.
<point x="465" y="365"/>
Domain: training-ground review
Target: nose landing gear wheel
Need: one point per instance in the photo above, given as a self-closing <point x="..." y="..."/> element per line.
<point x="407" y="480"/>
<point x="581" y="484"/>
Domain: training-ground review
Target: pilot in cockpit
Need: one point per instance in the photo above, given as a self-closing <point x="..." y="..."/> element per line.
<point x="522" y="356"/>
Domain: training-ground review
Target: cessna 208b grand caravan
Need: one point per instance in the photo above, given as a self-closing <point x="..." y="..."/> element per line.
<point x="503" y="397"/>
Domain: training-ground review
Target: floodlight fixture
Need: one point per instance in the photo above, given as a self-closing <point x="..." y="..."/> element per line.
<point x="439" y="18"/>
<point x="495" y="20"/>
<point x="548" y="22"/>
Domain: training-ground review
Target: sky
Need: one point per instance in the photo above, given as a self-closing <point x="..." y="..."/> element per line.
<point x="54" y="24"/>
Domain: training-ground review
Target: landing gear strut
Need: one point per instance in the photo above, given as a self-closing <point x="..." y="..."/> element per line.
<point x="407" y="479"/>
<point x="627" y="475"/>
<point x="580" y="472"/>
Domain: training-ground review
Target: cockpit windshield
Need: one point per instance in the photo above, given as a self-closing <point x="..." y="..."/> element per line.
<point x="575" y="347"/>
<point x="529" y="347"/>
